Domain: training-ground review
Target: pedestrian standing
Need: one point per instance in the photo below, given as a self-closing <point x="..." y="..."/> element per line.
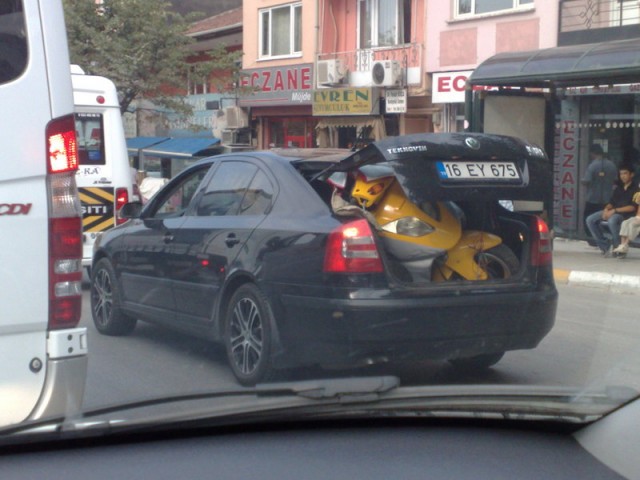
<point x="620" y="206"/>
<point x="599" y="179"/>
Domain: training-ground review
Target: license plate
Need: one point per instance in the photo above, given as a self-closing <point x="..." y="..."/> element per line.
<point x="502" y="171"/>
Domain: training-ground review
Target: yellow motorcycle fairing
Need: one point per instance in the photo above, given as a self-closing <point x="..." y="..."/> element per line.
<point x="367" y="192"/>
<point x="461" y="259"/>
<point x="446" y="229"/>
<point x="462" y="246"/>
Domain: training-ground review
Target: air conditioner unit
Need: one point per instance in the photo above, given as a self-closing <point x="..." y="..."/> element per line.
<point x="228" y="137"/>
<point x="330" y="72"/>
<point x="236" y="117"/>
<point x="386" y="73"/>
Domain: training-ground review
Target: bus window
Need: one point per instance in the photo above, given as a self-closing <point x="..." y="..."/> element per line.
<point x="90" y="138"/>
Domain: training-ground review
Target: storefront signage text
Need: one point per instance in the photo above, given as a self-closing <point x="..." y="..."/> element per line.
<point x="343" y="101"/>
<point x="449" y="87"/>
<point x="283" y="85"/>
<point x="566" y="168"/>
<point x="603" y="90"/>
<point x="396" y="101"/>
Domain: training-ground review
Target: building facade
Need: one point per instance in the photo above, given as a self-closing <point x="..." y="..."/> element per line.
<point x="460" y="37"/>
<point x="335" y="73"/>
<point x="591" y="83"/>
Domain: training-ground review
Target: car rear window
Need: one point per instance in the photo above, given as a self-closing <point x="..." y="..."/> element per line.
<point x="13" y="40"/>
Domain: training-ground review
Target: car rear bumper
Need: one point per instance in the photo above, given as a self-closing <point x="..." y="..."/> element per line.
<point x="350" y="332"/>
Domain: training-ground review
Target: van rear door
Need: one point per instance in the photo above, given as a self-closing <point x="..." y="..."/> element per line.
<point x="35" y="96"/>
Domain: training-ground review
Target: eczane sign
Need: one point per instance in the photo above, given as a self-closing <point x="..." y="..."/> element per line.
<point x="448" y="87"/>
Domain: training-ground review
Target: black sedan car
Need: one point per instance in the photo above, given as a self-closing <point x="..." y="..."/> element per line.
<point x="255" y="250"/>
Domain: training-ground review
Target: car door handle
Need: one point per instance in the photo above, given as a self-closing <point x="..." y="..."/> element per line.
<point x="168" y="238"/>
<point x="232" y="240"/>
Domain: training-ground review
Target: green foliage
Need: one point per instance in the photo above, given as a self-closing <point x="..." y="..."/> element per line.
<point x="141" y="45"/>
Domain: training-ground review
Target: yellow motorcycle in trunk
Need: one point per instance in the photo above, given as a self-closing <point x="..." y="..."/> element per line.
<point x="435" y="228"/>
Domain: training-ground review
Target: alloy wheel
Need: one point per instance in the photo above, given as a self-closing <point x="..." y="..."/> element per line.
<point x="102" y="297"/>
<point x="246" y="335"/>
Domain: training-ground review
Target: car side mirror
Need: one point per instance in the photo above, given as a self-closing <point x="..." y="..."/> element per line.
<point x="130" y="210"/>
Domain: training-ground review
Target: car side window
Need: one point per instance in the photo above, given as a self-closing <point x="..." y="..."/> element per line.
<point x="177" y="199"/>
<point x="226" y="189"/>
<point x="258" y="197"/>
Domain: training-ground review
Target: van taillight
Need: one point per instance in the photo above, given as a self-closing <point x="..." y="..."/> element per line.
<point x="62" y="147"/>
<point x="65" y="272"/>
<point x="351" y="248"/>
<point x="65" y="225"/>
<point x="122" y="197"/>
<point x="541" y="249"/>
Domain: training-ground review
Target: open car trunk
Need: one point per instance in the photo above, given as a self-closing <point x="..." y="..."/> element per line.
<point x="462" y="208"/>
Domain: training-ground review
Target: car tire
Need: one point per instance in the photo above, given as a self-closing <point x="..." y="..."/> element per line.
<point x="476" y="363"/>
<point x="499" y="262"/>
<point x="106" y="309"/>
<point x="248" y="335"/>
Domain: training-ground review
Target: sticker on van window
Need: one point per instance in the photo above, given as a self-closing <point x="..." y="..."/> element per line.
<point x="97" y="208"/>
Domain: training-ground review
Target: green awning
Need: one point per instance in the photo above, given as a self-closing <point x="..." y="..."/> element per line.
<point x="603" y="63"/>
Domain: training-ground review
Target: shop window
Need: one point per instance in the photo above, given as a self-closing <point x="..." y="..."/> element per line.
<point x="384" y="23"/>
<point x="291" y="133"/>
<point x="281" y="31"/>
<point x="470" y="8"/>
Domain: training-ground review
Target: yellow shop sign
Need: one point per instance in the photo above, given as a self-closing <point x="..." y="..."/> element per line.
<point x="343" y="101"/>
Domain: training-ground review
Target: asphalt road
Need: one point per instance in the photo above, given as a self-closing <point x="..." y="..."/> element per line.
<point x="596" y="329"/>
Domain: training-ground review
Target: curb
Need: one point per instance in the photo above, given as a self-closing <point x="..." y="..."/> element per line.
<point x="573" y="277"/>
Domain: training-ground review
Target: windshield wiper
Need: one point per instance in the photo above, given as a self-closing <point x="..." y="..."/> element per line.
<point x="344" y="390"/>
<point x="326" y="391"/>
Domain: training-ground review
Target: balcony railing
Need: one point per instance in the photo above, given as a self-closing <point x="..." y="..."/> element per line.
<point x="409" y="56"/>
<point x="590" y="21"/>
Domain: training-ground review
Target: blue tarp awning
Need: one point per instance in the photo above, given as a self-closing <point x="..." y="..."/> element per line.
<point x="136" y="143"/>
<point x="187" y="147"/>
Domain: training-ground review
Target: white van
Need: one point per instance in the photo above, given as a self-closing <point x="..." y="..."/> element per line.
<point x="106" y="180"/>
<point x="43" y="352"/>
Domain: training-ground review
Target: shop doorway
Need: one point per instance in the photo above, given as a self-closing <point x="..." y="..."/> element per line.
<point x="291" y="132"/>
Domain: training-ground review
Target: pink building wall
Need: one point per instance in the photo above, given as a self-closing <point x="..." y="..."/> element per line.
<point x="251" y="30"/>
<point x="463" y="44"/>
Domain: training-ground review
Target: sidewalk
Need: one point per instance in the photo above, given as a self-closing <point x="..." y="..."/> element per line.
<point x="576" y="262"/>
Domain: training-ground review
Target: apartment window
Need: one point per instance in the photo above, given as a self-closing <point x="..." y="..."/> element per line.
<point x="281" y="31"/>
<point x="466" y="8"/>
<point x="384" y="23"/>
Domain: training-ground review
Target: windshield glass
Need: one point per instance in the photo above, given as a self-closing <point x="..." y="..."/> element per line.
<point x="384" y="254"/>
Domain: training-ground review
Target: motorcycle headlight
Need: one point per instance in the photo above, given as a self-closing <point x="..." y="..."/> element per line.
<point x="409" y="226"/>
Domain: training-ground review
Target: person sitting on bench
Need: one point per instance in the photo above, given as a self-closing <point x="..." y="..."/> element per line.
<point x="629" y="230"/>
<point x="620" y="207"/>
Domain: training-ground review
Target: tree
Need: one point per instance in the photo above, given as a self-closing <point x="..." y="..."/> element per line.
<point x="141" y="45"/>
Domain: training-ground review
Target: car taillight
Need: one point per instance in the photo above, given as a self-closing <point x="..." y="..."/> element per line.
<point x="62" y="147"/>
<point x="65" y="225"/>
<point x="351" y="248"/>
<point x="122" y="197"/>
<point x="541" y="250"/>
